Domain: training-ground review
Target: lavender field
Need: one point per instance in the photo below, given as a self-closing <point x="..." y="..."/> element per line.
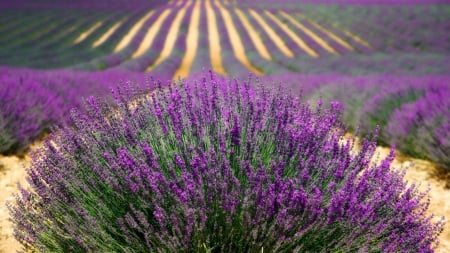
<point x="224" y="126"/>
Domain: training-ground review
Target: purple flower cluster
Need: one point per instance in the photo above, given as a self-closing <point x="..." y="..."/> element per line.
<point x="32" y="101"/>
<point x="214" y="165"/>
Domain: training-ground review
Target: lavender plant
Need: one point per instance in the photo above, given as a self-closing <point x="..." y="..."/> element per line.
<point x="215" y="165"/>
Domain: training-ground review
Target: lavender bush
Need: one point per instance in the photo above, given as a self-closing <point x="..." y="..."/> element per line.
<point x="215" y="165"/>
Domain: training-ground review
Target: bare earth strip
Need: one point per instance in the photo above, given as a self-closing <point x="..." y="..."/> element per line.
<point x="329" y="33"/>
<point x="310" y="33"/>
<point x="151" y="35"/>
<point x="254" y="36"/>
<point x="296" y="38"/>
<point x="133" y="31"/>
<point x="272" y="34"/>
<point x="235" y="40"/>
<point x="180" y="2"/>
<point x="214" y="40"/>
<point x="13" y="172"/>
<point x="422" y="173"/>
<point x="171" y="38"/>
<point x="191" y="44"/>
<point x="346" y="32"/>
<point x="108" y="33"/>
<point x="88" y="32"/>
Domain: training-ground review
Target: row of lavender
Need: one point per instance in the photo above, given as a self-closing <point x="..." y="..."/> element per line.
<point x="216" y="165"/>
<point x="82" y="4"/>
<point x="394" y="28"/>
<point x="343" y="2"/>
<point x="33" y="101"/>
<point x="413" y="112"/>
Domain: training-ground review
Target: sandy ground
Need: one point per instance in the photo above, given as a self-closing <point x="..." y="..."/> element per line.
<point x="424" y="173"/>
<point x="12" y="171"/>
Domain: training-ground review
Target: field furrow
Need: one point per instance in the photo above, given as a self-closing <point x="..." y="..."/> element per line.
<point x="272" y="34"/>
<point x="29" y="24"/>
<point x="309" y="33"/>
<point x="254" y="36"/>
<point x="192" y="40"/>
<point x="88" y="32"/>
<point x="171" y="38"/>
<point x="103" y="38"/>
<point x="235" y="40"/>
<point x="292" y="35"/>
<point x="214" y="40"/>
<point x="126" y="40"/>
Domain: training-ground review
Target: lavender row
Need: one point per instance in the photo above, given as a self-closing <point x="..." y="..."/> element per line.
<point x="173" y="61"/>
<point x="33" y="101"/>
<point x="232" y="66"/>
<point x="267" y="66"/>
<point x="68" y="53"/>
<point x="129" y="5"/>
<point x="413" y="112"/>
<point x="406" y="28"/>
<point x="148" y="58"/>
<point x="120" y="57"/>
<point x="422" y="128"/>
<point x="342" y="2"/>
<point x="57" y="43"/>
<point x="11" y="26"/>
<point x="202" y="59"/>
<point x="355" y="64"/>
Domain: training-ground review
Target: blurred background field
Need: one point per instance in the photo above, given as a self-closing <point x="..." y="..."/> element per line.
<point x="388" y="62"/>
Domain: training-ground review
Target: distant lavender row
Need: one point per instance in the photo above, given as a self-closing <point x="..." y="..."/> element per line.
<point x="392" y="64"/>
<point x="416" y="28"/>
<point x="413" y="112"/>
<point x="423" y="127"/>
<point x="33" y="101"/>
<point x="357" y="2"/>
<point x="81" y="4"/>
